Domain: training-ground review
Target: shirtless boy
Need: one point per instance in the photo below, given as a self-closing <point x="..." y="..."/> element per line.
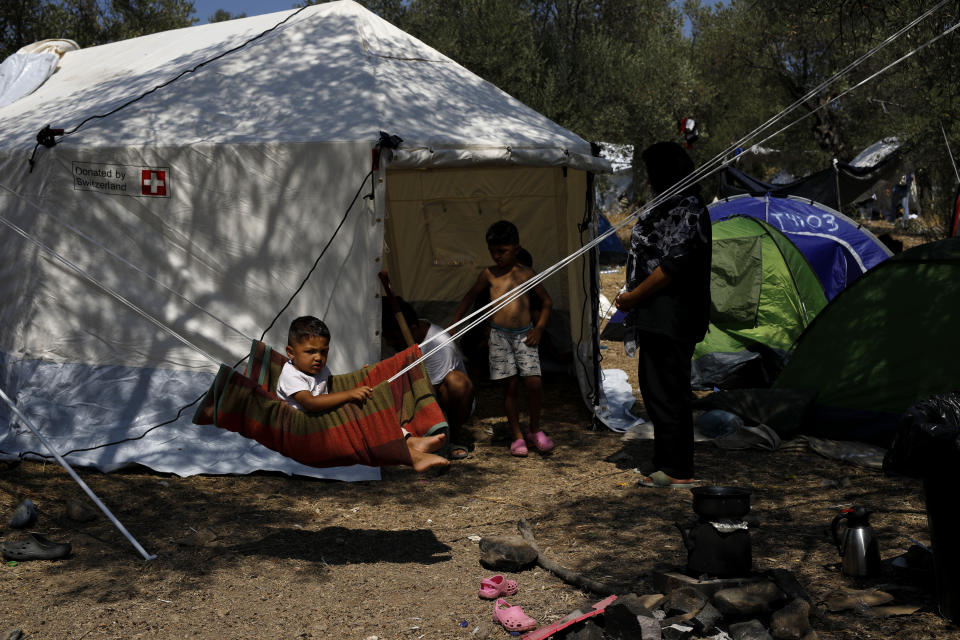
<point x="513" y="336"/>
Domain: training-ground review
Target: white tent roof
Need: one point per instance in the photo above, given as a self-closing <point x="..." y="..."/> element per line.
<point x="353" y="73"/>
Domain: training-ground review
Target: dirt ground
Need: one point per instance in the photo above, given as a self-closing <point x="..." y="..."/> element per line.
<point x="269" y="556"/>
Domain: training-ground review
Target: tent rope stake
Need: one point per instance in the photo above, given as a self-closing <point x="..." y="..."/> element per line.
<point x="78" y="479"/>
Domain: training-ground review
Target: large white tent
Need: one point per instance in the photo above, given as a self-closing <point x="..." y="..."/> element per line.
<point x="159" y="235"/>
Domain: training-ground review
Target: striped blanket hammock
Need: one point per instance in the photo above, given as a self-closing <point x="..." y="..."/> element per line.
<point x="368" y="434"/>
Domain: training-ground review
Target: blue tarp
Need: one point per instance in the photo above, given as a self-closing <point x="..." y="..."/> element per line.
<point x="839" y="249"/>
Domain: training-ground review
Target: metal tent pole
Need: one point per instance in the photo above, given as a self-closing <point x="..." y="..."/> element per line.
<point x="79" y="480"/>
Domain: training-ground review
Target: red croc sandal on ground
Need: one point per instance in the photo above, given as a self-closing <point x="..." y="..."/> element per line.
<point x="512" y="618"/>
<point x="496" y="586"/>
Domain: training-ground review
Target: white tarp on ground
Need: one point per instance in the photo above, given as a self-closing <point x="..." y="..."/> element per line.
<point x="153" y="243"/>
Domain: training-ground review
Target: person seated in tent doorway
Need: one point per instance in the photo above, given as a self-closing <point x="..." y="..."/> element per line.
<point x="667" y="301"/>
<point x="304" y="379"/>
<point x="513" y="335"/>
<point x="445" y="368"/>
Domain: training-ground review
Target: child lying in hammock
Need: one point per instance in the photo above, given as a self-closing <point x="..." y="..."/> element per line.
<point x="371" y="416"/>
<point x="304" y="382"/>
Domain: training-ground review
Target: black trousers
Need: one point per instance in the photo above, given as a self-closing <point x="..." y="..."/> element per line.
<point x="663" y="369"/>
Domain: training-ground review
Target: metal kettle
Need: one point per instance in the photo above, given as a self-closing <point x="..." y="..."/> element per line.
<point x="857" y="543"/>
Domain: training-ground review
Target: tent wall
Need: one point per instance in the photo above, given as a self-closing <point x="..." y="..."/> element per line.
<point x="239" y="228"/>
<point x="436" y="224"/>
<point x="839" y="249"/>
<point x="837" y="186"/>
<point x="763" y="295"/>
<point x="885" y="343"/>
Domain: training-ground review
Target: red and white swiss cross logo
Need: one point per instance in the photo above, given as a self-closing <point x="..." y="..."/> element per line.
<point x="153" y="182"/>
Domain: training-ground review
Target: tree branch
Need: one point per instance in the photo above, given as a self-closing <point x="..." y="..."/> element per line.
<point x="567" y="575"/>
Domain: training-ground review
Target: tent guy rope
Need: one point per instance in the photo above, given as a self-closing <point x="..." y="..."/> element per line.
<point x="705" y="170"/>
<point x="164" y="327"/>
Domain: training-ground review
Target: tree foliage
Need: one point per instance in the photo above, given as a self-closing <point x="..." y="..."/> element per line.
<point x="625" y="71"/>
<point x="761" y="57"/>
<point x="611" y="70"/>
<point x="222" y="15"/>
<point x="87" y="22"/>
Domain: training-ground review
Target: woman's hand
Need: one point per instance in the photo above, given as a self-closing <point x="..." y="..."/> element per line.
<point x="625" y="301"/>
<point x="652" y="285"/>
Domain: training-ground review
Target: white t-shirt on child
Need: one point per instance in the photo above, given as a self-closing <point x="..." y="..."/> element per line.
<point x="444" y="360"/>
<point x="292" y="381"/>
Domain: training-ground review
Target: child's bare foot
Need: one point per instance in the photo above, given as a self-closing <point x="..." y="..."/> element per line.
<point x="423" y="460"/>
<point x="426" y="444"/>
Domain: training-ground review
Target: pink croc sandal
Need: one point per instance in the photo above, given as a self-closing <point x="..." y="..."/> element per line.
<point x="496" y="586"/>
<point x="512" y="618"/>
<point x="519" y="448"/>
<point x="540" y="441"/>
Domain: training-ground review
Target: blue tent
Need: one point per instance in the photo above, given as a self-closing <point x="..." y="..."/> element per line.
<point x="610" y="248"/>
<point x="839" y="249"/>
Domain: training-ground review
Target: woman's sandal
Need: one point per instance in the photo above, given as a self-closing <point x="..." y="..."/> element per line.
<point x="496" y="586"/>
<point x="512" y="618"/>
<point x="660" y="480"/>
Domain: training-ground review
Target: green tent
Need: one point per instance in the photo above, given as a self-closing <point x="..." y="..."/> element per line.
<point x="764" y="294"/>
<point x="889" y="340"/>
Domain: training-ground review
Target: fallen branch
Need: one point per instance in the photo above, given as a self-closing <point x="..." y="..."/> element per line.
<point x="567" y="575"/>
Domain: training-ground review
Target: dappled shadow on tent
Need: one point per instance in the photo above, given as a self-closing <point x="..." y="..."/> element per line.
<point x="255" y="257"/>
<point x="259" y="93"/>
<point x="763" y="294"/>
<point x="838" y="249"/>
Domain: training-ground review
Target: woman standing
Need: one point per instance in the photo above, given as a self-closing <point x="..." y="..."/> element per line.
<point x="667" y="300"/>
